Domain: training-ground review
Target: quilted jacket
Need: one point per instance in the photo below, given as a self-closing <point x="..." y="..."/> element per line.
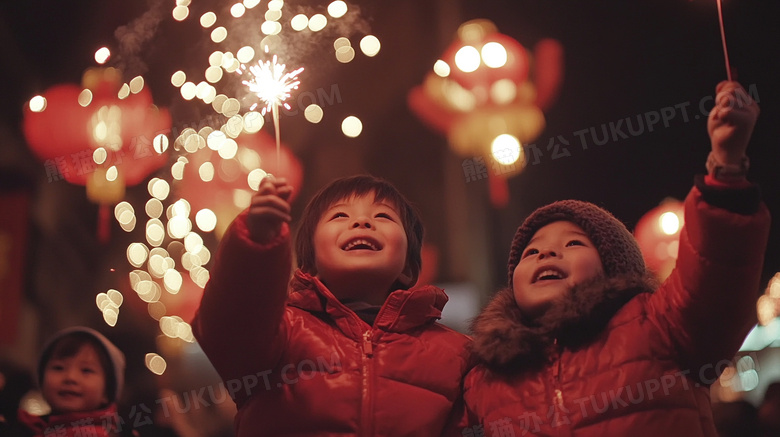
<point x="300" y="363"/>
<point x="639" y="360"/>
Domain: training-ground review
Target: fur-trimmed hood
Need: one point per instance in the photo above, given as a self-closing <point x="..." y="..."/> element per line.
<point x="507" y="342"/>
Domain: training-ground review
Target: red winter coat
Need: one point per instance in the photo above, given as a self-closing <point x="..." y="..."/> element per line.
<point x="306" y="365"/>
<point x="643" y="368"/>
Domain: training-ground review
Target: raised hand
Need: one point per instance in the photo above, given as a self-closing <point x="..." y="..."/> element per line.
<point x="731" y="122"/>
<point x="269" y="209"/>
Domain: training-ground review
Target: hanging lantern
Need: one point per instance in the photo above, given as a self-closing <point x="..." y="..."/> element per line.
<point x="481" y="58"/>
<point x="104" y="135"/>
<point x="484" y="88"/>
<point x="658" y="235"/>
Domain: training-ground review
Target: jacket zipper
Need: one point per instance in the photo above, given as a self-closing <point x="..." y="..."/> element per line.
<point x="368" y="352"/>
<point x="559" y="418"/>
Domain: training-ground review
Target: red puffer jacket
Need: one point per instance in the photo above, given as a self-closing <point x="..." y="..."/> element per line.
<point x="642" y="369"/>
<point x="306" y="365"/>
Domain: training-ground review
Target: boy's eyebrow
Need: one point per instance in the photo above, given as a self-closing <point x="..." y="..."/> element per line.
<point x="386" y="205"/>
<point x="336" y="205"/>
<point x="343" y="203"/>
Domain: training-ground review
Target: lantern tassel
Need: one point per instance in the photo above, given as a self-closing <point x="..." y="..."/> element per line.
<point x="104" y="223"/>
<point x="499" y="191"/>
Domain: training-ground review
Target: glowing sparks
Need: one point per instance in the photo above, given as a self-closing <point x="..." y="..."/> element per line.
<point x="271" y="84"/>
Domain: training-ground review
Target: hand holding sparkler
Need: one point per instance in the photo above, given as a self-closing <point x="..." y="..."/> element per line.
<point x="731" y="124"/>
<point x="269" y="209"/>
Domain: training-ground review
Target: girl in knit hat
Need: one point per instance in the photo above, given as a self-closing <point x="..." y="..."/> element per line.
<point x="584" y="342"/>
<point x="81" y="374"/>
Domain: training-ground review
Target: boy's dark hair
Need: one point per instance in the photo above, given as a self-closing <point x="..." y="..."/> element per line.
<point x="359" y="185"/>
<point x="69" y="345"/>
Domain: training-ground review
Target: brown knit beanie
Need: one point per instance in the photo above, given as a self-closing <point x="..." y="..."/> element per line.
<point x="619" y="251"/>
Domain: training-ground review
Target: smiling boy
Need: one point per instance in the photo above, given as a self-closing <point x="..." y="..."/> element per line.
<point x="349" y="347"/>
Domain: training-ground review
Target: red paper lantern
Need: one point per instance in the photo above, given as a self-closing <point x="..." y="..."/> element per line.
<point x="490" y="96"/>
<point x="90" y="136"/>
<point x="480" y="36"/>
<point x="66" y="133"/>
<point x="226" y="192"/>
<point x="658" y="235"/>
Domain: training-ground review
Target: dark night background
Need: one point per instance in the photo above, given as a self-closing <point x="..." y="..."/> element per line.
<point x="622" y="59"/>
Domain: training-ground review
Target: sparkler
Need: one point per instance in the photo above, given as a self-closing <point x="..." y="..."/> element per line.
<point x="723" y="39"/>
<point x="273" y="86"/>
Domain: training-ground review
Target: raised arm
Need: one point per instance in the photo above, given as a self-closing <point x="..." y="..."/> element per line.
<point x="239" y="322"/>
<point x="707" y="305"/>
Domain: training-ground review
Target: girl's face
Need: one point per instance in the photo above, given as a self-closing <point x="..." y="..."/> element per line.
<point x="559" y="256"/>
<point x="76" y="383"/>
<point x="358" y="238"/>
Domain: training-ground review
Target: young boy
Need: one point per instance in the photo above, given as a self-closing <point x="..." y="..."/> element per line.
<point x="81" y="374"/>
<point x="350" y="348"/>
<point x="582" y="342"/>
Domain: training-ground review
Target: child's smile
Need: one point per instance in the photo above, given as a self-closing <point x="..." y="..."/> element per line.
<point x="75" y="383"/>
<point x="362" y="244"/>
<point x="548" y="273"/>
<point x="359" y="241"/>
<point x="559" y="256"/>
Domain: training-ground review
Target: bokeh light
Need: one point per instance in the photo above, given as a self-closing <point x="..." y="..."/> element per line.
<point x="352" y="126"/>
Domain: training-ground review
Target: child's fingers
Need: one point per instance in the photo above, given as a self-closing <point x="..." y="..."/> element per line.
<point x="266" y="186"/>
<point x="720" y="86"/>
<point x="284" y="192"/>
<point x="278" y="181"/>
<point x="732" y="101"/>
<point x="273" y="180"/>
<point x="279" y="187"/>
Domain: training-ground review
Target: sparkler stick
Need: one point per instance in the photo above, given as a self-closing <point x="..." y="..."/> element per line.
<point x="275" y="114"/>
<point x="723" y="39"/>
<point x="273" y="86"/>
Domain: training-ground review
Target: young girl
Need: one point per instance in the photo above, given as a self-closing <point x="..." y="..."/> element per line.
<point x="349" y="348"/>
<point x="583" y="343"/>
<point x="81" y="374"/>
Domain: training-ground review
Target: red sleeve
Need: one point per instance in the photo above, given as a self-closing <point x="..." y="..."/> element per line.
<point x="708" y="304"/>
<point x="239" y="322"/>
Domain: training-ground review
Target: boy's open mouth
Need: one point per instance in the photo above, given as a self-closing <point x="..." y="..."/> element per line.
<point x="548" y="273"/>
<point x="361" y="244"/>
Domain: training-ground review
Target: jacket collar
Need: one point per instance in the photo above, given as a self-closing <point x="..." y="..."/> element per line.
<point x="506" y="342"/>
<point x="402" y="311"/>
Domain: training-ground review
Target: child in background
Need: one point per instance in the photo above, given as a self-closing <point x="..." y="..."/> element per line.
<point x="582" y="341"/>
<point x="81" y="374"/>
<point x="347" y="347"/>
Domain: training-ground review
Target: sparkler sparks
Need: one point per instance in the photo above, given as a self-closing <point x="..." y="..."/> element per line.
<point x="271" y="84"/>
